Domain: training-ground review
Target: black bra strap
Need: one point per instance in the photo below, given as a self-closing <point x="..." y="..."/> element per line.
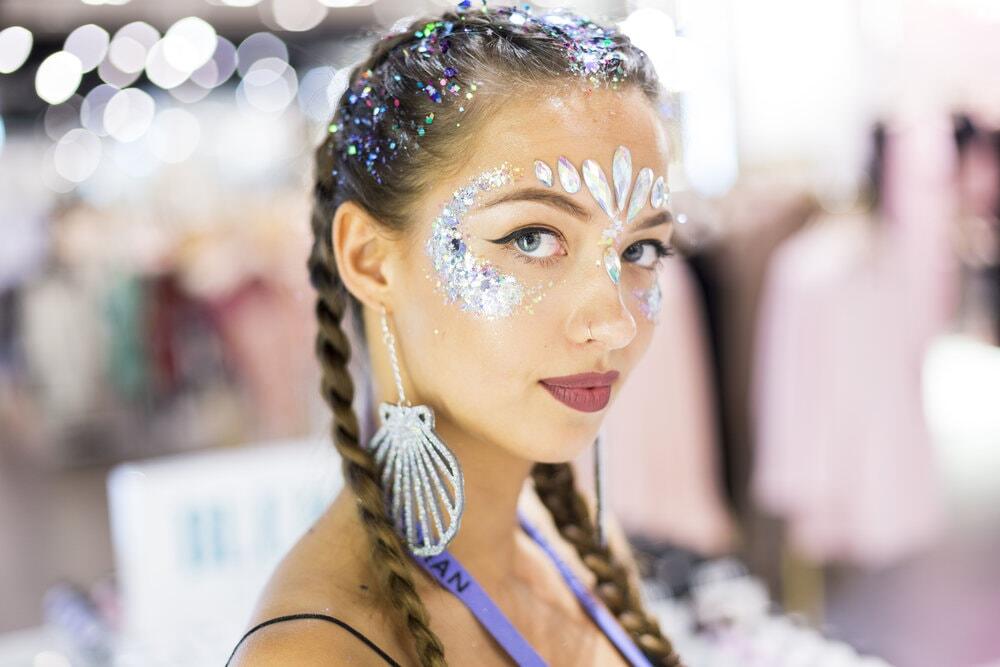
<point x="322" y="617"/>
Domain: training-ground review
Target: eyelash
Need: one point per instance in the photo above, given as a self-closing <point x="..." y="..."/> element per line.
<point x="508" y="244"/>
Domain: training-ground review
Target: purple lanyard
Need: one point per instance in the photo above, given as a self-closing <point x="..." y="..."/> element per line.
<point x="450" y="574"/>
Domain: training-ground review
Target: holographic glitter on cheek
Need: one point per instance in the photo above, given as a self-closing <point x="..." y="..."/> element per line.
<point x="477" y="285"/>
<point x="650" y="301"/>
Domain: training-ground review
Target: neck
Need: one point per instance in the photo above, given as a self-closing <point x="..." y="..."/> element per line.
<point x="493" y="481"/>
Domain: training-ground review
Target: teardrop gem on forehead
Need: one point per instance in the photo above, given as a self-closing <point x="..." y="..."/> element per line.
<point x="640" y="193"/>
<point x="569" y="177"/>
<point x="543" y="172"/>
<point x="658" y="196"/>
<point x="612" y="264"/>
<point x="621" y="170"/>
<point x="597" y="183"/>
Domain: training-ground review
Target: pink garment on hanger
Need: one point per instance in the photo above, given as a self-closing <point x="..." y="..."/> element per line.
<point x="268" y="334"/>
<point x="842" y="449"/>
<point x="661" y="473"/>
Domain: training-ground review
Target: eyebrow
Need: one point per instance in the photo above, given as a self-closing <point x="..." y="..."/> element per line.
<point x="661" y="218"/>
<point x="553" y="199"/>
<point x="564" y="203"/>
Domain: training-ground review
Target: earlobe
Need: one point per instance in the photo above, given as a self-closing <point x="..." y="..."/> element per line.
<point x="360" y="252"/>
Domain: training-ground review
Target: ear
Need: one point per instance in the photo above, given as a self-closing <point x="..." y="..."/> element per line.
<point x="361" y="248"/>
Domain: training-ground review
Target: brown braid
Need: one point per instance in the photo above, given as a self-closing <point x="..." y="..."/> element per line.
<point x="554" y="483"/>
<point x="489" y="47"/>
<point x="391" y="564"/>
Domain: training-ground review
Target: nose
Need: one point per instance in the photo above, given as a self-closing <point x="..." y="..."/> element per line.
<point x="602" y="316"/>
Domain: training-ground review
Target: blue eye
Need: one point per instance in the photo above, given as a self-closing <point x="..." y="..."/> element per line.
<point x="533" y="245"/>
<point x="646" y="253"/>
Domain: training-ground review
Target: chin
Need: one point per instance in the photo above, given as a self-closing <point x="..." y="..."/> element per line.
<point x="573" y="445"/>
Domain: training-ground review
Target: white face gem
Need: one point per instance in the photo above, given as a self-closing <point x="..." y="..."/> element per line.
<point x="568" y="175"/>
<point x="621" y="170"/>
<point x="597" y="183"/>
<point x="543" y="173"/>
<point x="656" y="196"/>
<point x="612" y="264"/>
<point x="640" y="194"/>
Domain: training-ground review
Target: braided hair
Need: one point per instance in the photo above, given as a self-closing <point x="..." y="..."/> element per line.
<point x="392" y="127"/>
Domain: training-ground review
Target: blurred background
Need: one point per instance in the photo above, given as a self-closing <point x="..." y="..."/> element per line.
<point x="807" y="462"/>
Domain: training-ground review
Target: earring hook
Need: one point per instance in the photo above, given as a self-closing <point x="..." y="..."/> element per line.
<point x="390" y="342"/>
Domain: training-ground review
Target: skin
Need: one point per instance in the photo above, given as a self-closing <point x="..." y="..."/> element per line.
<point x="481" y="378"/>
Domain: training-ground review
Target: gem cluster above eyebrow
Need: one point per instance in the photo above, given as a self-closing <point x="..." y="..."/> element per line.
<point x="614" y="202"/>
<point x="569" y="178"/>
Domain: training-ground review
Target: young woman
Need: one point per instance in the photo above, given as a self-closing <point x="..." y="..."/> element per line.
<point x="491" y="204"/>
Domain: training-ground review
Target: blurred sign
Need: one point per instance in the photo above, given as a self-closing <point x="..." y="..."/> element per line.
<point x="196" y="537"/>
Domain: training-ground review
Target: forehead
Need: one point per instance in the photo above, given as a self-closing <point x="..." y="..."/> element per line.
<point x="576" y="123"/>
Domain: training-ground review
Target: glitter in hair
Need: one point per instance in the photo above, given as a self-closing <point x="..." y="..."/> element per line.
<point x="374" y="126"/>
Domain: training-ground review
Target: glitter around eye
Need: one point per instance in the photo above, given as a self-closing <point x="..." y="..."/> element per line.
<point x="477" y="285"/>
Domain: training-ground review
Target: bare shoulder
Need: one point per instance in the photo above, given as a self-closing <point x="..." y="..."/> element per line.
<point x="304" y="641"/>
<point x="318" y="602"/>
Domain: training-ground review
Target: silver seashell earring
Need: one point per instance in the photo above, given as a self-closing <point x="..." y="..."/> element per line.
<point x="420" y="475"/>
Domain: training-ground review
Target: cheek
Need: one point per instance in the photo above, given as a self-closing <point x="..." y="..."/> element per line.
<point x="459" y="356"/>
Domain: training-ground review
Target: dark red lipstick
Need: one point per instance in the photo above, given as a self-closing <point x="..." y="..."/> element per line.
<point x="586" y="392"/>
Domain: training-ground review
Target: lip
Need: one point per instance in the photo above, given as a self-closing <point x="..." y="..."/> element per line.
<point x="586" y="392"/>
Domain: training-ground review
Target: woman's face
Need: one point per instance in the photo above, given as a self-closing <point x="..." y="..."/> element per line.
<point x="509" y="276"/>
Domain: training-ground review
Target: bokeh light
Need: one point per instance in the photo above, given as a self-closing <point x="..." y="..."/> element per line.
<point x="113" y="76"/>
<point x="298" y="15"/>
<point x="92" y="109"/>
<point x="15" y="46"/>
<point x="189" y="44"/>
<point x="219" y="68"/>
<point x="128" y="114"/>
<point x="268" y="86"/>
<point x="77" y="155"/>
<point x="258" y="46"/>
<point x="174" y="135"/>
<point x="130" y="46"/>
<point x="89" y="43"/>
<point x="58" y="77"/>
<point x="189" y="92"/>
<point x="61" y="118"/>
<point x="161" y="71"/>
<point x="316" y="93"/>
